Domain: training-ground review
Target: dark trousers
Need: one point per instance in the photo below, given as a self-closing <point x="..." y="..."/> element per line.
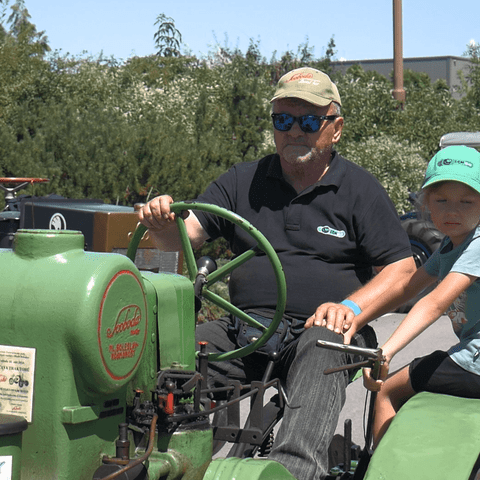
<point x="315" y="400"/>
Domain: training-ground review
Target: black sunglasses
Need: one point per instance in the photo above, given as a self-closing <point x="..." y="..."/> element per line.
<point x="308" y="123"/>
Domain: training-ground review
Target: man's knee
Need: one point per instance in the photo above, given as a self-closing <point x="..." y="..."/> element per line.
<point x="307" y="350"/>
<point x="311" y="335"/>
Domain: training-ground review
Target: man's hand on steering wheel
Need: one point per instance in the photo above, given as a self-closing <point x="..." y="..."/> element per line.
<point x="157" y="215"/>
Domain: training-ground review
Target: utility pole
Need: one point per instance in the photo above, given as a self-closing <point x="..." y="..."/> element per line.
<point x="398" y="90"/>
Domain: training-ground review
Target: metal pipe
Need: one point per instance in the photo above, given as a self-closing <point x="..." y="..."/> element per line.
<point x="141" y="459"/>
<point x="398" y="90"/>
<point x="347" y="446"/>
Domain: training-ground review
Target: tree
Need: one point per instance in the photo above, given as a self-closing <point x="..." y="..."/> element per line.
<point x="473" y="76"/>
<point x="23" y="31"/>
<point x="367" y="104"/>
<point x="413" y="79"/>
<point x="305" y="53"/>
<point x="173" y="124"/>
<point x="24" y="75"/>
<point x="167" y="38"/>
<point x="397" y="164"/>
<point x="329" y="56"/>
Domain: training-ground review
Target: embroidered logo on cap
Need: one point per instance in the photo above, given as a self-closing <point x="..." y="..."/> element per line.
<point x="448" y="161"/>
<point x="299" y="76"/>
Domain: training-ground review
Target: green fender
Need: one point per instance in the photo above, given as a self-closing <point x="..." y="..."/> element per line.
<point x="432" y="437"/>
<point x="246" y="469"/>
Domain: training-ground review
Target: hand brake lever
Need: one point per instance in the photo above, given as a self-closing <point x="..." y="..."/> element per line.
<point x="375" y="355"/>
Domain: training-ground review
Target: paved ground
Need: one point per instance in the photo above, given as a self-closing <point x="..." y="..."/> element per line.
<point x="439" y="336"/>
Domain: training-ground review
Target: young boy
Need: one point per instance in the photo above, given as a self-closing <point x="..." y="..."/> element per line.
<point x="451" y="193"/>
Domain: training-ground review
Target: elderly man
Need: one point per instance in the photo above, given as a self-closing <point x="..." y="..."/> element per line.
<point x="330" y="223"/>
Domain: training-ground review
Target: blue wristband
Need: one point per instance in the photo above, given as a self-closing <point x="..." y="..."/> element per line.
<point x="351" y="304"/>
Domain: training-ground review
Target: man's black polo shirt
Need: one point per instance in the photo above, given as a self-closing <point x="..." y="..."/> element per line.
<point x="327" y="237"/>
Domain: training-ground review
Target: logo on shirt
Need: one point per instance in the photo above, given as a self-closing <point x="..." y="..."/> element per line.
<point x="326" y="230"/>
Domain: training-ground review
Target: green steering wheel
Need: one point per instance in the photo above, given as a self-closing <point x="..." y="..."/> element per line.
<point x="262" y="244"/>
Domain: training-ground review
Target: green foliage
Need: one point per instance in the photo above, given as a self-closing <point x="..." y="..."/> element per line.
<point x="143" y="128"/>
<point x="397" y="164"/>
<point x="429" y="112"/>
<point x="472" y="89"/>
<point x="167" y="38"/>
<point x="124" y="132"/>
<point x="413" y="79"/>
<point x="23" y="32"/>
<point x="367" y="104"/>
<point x="23" y="73"/>
<point x="304" y="57"/>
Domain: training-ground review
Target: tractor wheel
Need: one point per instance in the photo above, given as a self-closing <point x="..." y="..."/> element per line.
<point x="424" y="240"/>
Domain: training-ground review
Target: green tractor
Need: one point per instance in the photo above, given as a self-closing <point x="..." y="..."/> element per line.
<point x="113" y="384"/>
<point x="107" y="359"/>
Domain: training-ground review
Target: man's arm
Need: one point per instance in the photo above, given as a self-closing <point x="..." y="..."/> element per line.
<point x="160" y="221"/>
<point x="389" y="288"/>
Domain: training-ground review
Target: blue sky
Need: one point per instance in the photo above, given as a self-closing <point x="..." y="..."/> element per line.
<point x="361" y="28"/>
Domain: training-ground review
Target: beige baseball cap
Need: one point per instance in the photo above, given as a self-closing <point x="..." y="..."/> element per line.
<point x="308" y="84"/>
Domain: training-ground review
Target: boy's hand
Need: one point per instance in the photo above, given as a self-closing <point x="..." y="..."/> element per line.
<point x="376" y="385"/>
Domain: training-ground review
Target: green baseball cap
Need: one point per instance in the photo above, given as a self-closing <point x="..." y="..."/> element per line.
<point x="456" y="163"/>
<point x="307" y="84"/>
